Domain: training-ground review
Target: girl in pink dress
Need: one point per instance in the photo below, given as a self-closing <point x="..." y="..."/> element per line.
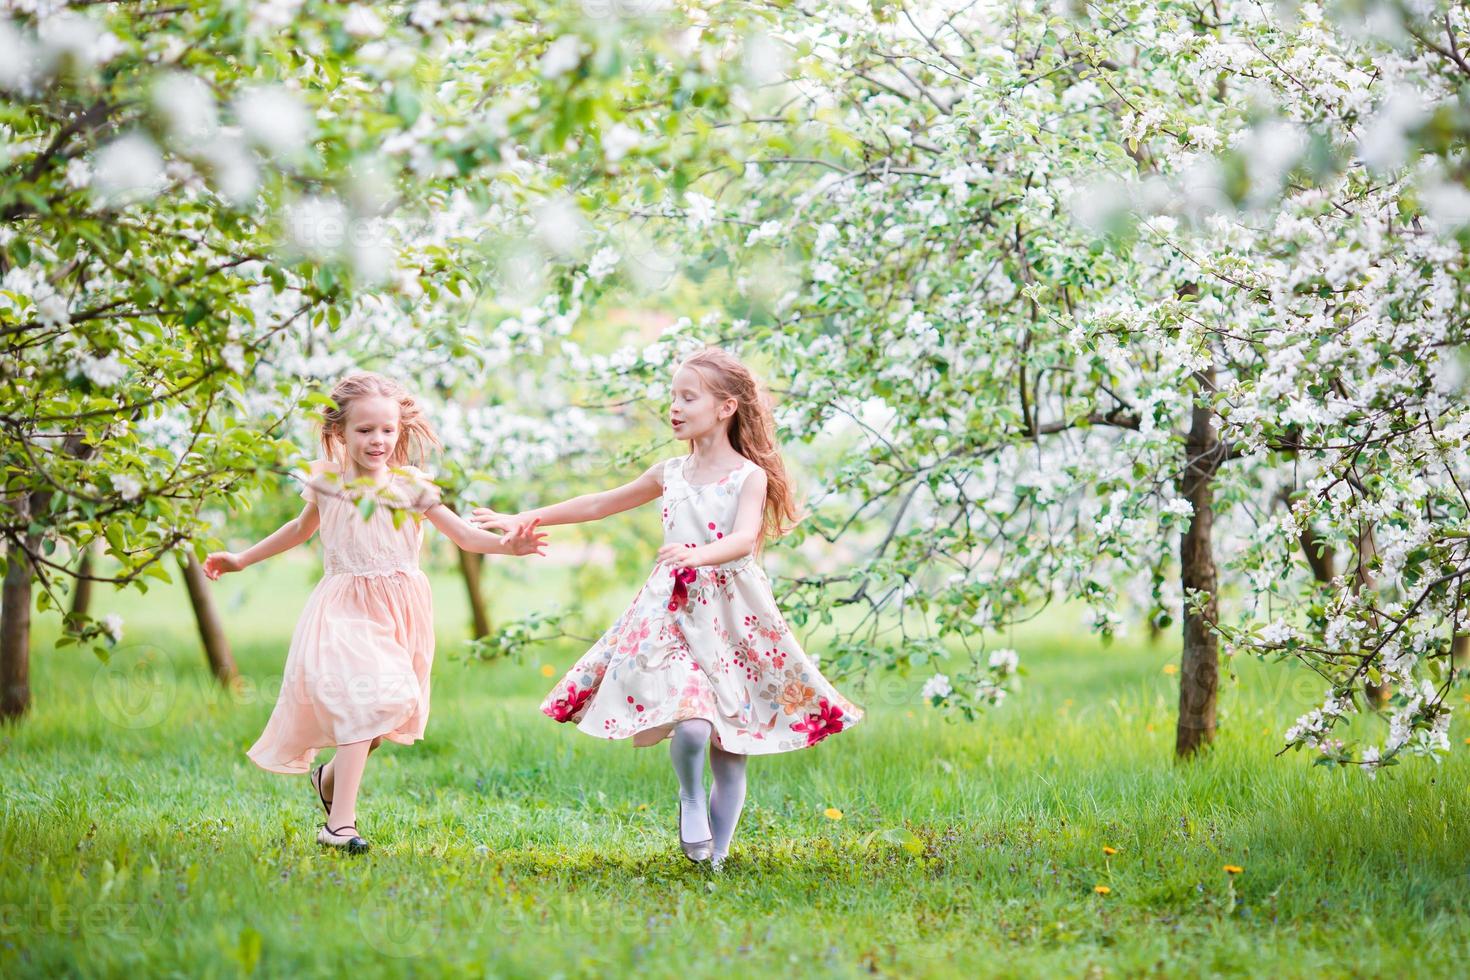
<point x="358" y="668"/>
<point x="703" y="654"/>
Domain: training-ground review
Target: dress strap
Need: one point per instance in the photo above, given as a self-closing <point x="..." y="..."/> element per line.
<point x="673" y="469"/>
<point x="746" y="468"/>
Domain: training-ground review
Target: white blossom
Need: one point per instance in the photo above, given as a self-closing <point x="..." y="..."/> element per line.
<point x="603" y="262"/>
<point x="362" y="21"/>
<point x="937" y="686"/>
<point x="78" y="173"/>
<point x="619" y="140"/>
<point x="187" y="105"/>
<point x="75" y="38"/>
<point x="234" y="357"/>
<point x="564" y="54"/>
<point x="766" y="231"/>
<point x="104" y="372"/>
<point x="273" y="119"/>
<point x="127" y="169"/>
<point x="698" y="210"/>
<point x="52" y="311"/>
<point x="127" y="487"/>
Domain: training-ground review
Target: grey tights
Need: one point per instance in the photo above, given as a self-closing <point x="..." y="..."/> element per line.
<point x="727" y="795"/>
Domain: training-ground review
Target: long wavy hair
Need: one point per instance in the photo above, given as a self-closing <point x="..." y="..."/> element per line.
<point x="752" y="431"/>
<point x="415" y="435"/>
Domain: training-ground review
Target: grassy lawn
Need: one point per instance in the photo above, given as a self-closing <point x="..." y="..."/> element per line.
<point x="136" y="838"/>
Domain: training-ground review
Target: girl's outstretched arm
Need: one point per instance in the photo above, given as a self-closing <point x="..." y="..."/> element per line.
<point x="579" y="510"/>
<point x="738" y="542"/>
<point x="294" y="532"/>
<point x="524" y="540"/>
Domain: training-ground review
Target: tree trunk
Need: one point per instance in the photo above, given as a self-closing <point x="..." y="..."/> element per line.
<point x="1377" y="695"/>
<point x="1322" y="558"/>
<point x="1199" y="673"/>
<point x="211" y="632"/>
<point x="81" y="596"/>
<point x="470" y="565"/>
<point x="15" y="637"/>
<point x="15" y="603"/>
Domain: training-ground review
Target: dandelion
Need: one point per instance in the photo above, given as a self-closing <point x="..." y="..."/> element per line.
<point x="1171" y="668"/>
<point x="547" y="670"/>
<point x="1233" y="869"/>
<point x="832" y="813"/>
<point x="1110" y="851"/>
<point x="1102" y="889"/>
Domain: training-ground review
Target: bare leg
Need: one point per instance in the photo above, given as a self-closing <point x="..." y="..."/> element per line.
<point x="329" y="770"/>
<point x="349" y="763"/>
<point x="726" y="797"/>
<point x="687" y="749"/>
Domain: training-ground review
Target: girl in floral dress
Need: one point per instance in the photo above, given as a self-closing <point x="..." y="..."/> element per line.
<point x="703" y="655"/>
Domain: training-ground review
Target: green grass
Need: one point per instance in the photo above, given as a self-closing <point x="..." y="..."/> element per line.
<point x="137" y="838"/>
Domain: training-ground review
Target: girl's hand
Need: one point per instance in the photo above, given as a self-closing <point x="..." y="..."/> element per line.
<point x="490" y="520"/>
<point x="679" y="556"/>
<point x="220" y="562"/>
<point x="525" y="539"/>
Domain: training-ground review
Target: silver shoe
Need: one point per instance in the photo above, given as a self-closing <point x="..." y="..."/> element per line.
<point x="695" y="851"/>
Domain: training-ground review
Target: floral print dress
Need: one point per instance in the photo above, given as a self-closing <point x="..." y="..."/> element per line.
<point x="709" y="643"/>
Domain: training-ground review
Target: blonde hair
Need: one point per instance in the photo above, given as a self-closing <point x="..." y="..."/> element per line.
<point x="415" y="435"/>
<point x="752" y="431"/>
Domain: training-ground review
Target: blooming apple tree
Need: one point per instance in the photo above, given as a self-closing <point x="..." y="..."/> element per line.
<point x="1138" y="303"/>
<point x="207" y="207"/>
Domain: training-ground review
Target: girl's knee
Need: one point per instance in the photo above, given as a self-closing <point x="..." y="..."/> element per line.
<point x="692" y="731"/>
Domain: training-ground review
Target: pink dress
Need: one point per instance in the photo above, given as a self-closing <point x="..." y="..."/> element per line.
<point x="715" y="648"/>
<point x="358" y="667"/>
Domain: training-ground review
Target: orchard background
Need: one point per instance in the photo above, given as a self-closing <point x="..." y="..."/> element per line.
<point x="1119" y="348"/>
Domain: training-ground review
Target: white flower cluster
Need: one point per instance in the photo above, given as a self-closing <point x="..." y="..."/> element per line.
<point x="937" y="686"/>
<point x="104" y="372"/>
<point x="1311" y="728"/>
